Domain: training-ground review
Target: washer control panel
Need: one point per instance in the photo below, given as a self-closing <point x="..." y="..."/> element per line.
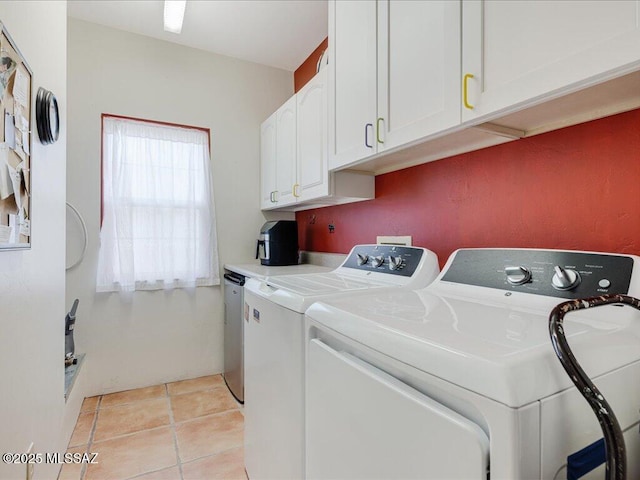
<point x="393" y="259"/>
<point x="553" y="273"/>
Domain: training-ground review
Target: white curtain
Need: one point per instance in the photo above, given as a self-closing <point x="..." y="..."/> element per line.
<point x="158" y="229"/>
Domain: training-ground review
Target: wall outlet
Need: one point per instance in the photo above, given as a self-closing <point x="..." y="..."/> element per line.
<point x="394" y="240"/>
<point x="30" y="466"/>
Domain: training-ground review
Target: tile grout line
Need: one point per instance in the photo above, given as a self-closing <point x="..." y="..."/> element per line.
<point x="173" y="430"/>
<point x="130" y="434"/>
<point x="215" y="454"/>
<point x="83" y="471"/>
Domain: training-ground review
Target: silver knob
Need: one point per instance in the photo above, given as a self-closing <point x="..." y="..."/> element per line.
<point x="517" y="275"/>
<point x="362" y="258"/>
<point x="565" y="278"/>
<point x="377" y="261"/>
<point x="395" y="262"/>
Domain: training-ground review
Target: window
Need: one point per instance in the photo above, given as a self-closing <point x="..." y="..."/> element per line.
<point x="158" y="226"/>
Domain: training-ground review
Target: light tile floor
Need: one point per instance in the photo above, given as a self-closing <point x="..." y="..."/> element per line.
<point x="188" y="430"/>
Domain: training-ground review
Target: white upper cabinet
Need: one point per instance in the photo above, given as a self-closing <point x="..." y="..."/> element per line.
<point x="278" y="157"/>
<point x="523" y="52"/>
<point x="312" y="174"/>
<point x="294" y="156"/>
<point x="294" y="148"/>
<point x="268" y="189"/>
<point x="418" y="70"/>
<point x="394" y="71"/>
<point x="352" y="80"/>
<point x="409" y="78"/>
<point x="286" y="118"/>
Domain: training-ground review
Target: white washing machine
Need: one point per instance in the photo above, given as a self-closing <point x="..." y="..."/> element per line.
<point x="274" y="346"/>
<point x="459" y="380"/>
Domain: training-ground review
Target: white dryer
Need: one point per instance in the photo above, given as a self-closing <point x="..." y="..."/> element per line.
<point x="274" y="346"/>
<point x="459" y="380"/>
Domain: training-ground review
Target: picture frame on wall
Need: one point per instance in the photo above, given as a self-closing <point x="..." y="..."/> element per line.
<point x="15" y="145"/>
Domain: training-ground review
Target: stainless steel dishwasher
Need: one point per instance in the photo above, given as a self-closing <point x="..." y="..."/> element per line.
<point x="234" y="334"/>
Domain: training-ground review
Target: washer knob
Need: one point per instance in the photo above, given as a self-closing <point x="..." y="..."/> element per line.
<point x="377" y="261"/>
<point x="517" y="275"/>
<point x="362" y="258"/>
<point x="395" y="263"/>
<point x="565" y="278"/>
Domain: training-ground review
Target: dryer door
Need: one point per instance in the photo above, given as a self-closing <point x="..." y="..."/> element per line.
<point x="363" y="423"/>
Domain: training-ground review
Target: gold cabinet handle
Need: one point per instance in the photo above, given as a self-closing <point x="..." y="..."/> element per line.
<point x="380" y="119"/>
<point x="465" y="87"/>
<point x="295" y="190"/>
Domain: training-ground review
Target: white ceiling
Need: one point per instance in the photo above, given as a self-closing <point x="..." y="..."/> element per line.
<point x="278" y="33"/>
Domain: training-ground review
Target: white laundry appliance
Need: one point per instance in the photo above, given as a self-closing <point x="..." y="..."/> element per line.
<point x="459" y="380"/>
<point x="234" y="279"/>
<point x="274" y="346"/>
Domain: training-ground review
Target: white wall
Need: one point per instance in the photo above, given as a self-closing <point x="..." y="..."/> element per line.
<point x="32" y="282"/>
<point x="154" y="337"/>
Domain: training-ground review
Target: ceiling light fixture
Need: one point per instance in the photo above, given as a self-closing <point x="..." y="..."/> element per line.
<point x="174" y="15"/>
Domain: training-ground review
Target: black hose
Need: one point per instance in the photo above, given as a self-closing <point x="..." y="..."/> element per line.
<point x="616" y="461"/>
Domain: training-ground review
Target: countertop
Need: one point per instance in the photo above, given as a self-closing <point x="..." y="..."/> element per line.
<point x="256" y="270"/>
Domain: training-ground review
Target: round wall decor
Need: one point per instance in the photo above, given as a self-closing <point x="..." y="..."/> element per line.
<point x="47" y="117"/>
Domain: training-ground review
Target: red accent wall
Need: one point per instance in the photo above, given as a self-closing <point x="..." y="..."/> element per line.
<point x="574" y="188"/>
<point x="307" y="70"/>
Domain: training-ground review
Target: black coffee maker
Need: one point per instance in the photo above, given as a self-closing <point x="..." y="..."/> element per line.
<point x="278" y="243"/>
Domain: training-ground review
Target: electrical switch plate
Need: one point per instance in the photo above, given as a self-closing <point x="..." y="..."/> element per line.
<point x="394" y="240"/>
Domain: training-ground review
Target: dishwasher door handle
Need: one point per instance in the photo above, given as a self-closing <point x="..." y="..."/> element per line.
<point x="234" y="279"/>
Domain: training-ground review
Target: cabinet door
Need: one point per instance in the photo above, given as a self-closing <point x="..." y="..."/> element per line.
<point x="286" y="151"/>
<point x="418" y="69"/>
<point x="523" y="52"/>
<point x="313" y="175"/>
<point x="268" y="163"/>
<point x="352" y="81"/>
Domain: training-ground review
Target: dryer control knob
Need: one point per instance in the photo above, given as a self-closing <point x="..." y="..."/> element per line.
<point x="362" y="258"/>
<point x="517" y="275"/>
<point x="377" y="261"/>
<point x="395" y="263"/>
<point x="565" y="278"/>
